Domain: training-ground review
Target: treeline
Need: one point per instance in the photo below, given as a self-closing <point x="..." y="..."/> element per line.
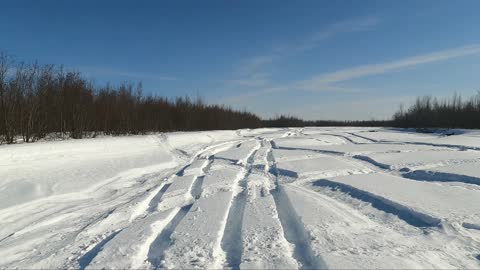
<point x="39" y="100"/>
<point x="290" y="121"/>
<point x="431" y="112"/>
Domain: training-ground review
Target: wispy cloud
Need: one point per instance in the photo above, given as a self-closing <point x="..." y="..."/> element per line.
<point x="252" y="72"/>
<point x="252" y="94"/>
<point x="131" y="75"/>
<point x="348" y="26"/>
<point x="254" y="64"/>
<point x="252" y="80"/>
<point x="326" y="80"/>
<point x="255" y="71"/>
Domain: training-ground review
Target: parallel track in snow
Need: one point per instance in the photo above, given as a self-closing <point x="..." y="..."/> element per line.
<point x="274" y="198"/>
<point x="293" y="228"/>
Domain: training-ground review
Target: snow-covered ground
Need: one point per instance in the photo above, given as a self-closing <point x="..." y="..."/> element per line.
<point x="266" y="198"/>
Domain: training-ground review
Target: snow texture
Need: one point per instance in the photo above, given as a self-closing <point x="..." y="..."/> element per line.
<point x="291" y="198"/>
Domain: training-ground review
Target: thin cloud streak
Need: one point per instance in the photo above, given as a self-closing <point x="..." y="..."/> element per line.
<point x="326" y="81"/>
<point x="323" y="80"/>
<point x="349" y="26"/>
<point x="251" y="69"/>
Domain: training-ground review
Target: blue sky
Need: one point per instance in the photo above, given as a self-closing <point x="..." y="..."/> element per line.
<point x="313" y="59"/>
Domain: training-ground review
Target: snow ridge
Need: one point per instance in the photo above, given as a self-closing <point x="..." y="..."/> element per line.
<point x="293" y="228"/>
<point x="287" y="198"/>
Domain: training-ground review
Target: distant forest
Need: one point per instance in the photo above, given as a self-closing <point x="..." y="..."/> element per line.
<point x="426" y="112"/>
<point x="291" y="121"/>
<point x="41" y="100"/>
<point x="36" y="101"/>
<point x="431" y="112"/>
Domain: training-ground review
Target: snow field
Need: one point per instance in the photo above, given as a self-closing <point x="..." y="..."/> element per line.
<point x="337" y="198"/>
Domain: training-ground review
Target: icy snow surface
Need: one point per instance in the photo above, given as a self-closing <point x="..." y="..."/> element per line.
<point x="267" y="198"/>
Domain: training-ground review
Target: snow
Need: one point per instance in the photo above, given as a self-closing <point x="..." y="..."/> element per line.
<point x="422" y="159"/>
<point x="466" y="172"/>
<point x="283" y="198"/>
<point x="318" y="167"/>
<point x="34" y="171"/>
<point x="407" y="195"/>
<point x="465" y="139"/>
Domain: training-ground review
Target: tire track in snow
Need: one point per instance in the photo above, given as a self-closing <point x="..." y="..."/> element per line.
<point x="362" y="166"/>
<point x="346" y="138"/>
<point x="368" y="163"/>
<point x="157" y="247"/>
<point x="150" y="204"/>
<point x="159" y="244"/>
<point x="371" y="161"/>
<point x="410" y="216"/>
<point x="293" y="228"/>
<point x="424" y="175"/>
<point x="90" y="237"/>
<point x="471" y="226"/>
<point x="90" y="216"/>
<point x="363" y="137"/>
<point x="378" y="213"/>
<point x="8" y="236"/>
<point x="263" y="241"/>
<point x="455" y="146"/>
<point x="343" y="137"/>
<point x="434" y="176"/>
<point x="232" y="243"/>
<point x="87" y="258"/>
<point x="162" y="241"/>
<point x="196" y="188"/>
<point x="119" y="199"/>
<point x="93" y="248"/>
<point x="153" y="204"/>
<point x="326" y="152"/>
<point x="295" y="232"/>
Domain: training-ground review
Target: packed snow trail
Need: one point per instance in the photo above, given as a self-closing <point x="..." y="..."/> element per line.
<point x="290" y="198"/>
